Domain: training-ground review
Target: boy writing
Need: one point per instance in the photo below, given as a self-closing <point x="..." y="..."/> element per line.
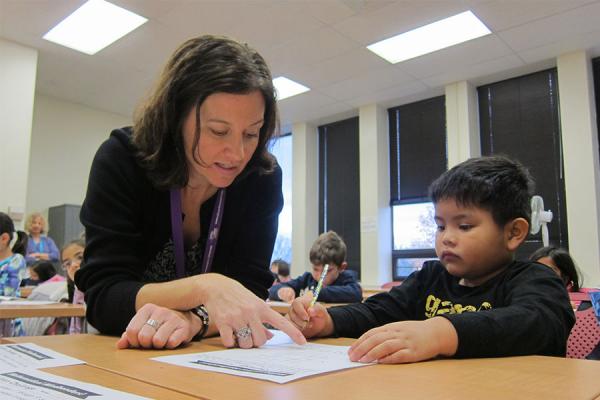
<point x="476" y="301"/>
<point x="339" y="285"/>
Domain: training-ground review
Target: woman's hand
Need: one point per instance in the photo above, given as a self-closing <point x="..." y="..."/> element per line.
<point x="158" y="327"/>
<point x="312" y="321"/>
<point x="232" y="309"/>
<point x="406" y="341"/>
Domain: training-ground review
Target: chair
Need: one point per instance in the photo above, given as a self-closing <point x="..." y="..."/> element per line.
<point x="585" y="335"/>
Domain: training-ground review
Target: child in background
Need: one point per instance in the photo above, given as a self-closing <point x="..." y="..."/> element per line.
<point x="44" y="272"/>
<point x="39" y="246"/>
<point x="12" y="269"/>
<point x="476" y="301"/>
<point x="71" y="257"/>
<point x="561" y="262"/>
<point x="339" y="286"/>
<point x="281" y="271"/>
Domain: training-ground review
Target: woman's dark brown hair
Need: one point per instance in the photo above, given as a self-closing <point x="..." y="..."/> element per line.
<point x="200" y="67"/>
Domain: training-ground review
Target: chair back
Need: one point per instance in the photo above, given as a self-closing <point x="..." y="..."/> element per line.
<point x="585" y="335"/>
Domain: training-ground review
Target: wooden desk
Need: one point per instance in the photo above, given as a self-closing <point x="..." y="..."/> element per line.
<point x="514" y="378"/>
<point x="42" y="310"/>
<point x="89" y="374"/>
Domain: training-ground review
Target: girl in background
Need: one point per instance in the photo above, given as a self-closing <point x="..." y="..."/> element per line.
<point x="12" y="269"/>
<point x="71" y="257"/>
<point x="561" y="262"/>
<point x="39" y="246"/>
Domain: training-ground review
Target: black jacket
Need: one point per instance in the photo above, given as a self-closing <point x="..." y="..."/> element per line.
<point x="345" y="289"/>
<point x="128" y="234"/>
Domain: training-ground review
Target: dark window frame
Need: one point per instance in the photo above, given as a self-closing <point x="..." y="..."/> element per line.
<point x="413" y="188"/>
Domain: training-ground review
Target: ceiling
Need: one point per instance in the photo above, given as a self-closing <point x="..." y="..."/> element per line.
<point x="319" y="43"/>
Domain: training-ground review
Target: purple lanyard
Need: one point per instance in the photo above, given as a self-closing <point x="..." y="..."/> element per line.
<point x="177" y="231"/>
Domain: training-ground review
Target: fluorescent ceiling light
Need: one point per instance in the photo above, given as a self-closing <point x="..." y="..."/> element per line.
<point x="429" y="38"/>
<point x="287" y="88"/>
<point x="93" y="26"/>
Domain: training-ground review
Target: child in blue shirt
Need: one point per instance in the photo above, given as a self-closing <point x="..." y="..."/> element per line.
<point x="12" y="269"/>
<point x="476" y="300"/>
<point x="339" y="285"/>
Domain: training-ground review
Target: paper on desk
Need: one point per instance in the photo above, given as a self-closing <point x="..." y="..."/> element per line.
<point x="30" y="355"/>
<point x="27" y="302"/>
<point x="32" y="384"/>
<point x="278" y="363"/>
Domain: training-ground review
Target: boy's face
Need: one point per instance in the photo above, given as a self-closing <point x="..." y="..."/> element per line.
<point x="332" y="273"/>
<point x="469" y="243"/>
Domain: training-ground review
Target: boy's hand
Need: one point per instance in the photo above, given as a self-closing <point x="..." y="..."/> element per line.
<point x="406" y="341"/>
<point x="286" y="294"/>
<point x="312" y="321"/>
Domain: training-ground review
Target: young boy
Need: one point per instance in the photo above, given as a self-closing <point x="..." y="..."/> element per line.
<point x="339" y="285"/>
<point x="281" y="271"/>
<point x="476" y="301"/>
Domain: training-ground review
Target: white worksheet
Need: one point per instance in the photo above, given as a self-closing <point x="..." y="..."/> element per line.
<point x="27" y="302"/>
<point x="31" y="384"/>
<point x="278" y="363"/>
<point x="30" y="355"/>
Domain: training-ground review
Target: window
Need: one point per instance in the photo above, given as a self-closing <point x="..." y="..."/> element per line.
<point x="282" y="149"/>
<point x="519" y="118"/>
<point x="417" y="158"/>
<point x="339" y="185"/>
<point x="596" y="71"/>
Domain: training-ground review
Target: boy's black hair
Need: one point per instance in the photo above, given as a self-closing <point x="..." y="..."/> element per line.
<point x="563" y="261"/>
<point x="328" y="248"/>
<point x="7" y="226"/>
<point x="494" y="183"/>
<point x="44" y="269"/>
<point x="283" y="267"/>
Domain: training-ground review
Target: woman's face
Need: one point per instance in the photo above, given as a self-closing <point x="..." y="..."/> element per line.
<point x="72" y="256"/>
<point x="229" y="131"/>
<point x="37" y="225"/>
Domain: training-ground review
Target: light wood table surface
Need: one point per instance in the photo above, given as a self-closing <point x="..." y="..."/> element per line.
<point x="532" y="377"/>
<point x="112" y="380"/>
<point x="42" y="310"/>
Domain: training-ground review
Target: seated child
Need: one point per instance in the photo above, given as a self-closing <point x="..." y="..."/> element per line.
<point x="13" y="245"/>
<point x="44" y="272"/>
<point x="281" y="271"/>
<point x="339" y="286"/>
<point x="561" y="262"/>
<point x="476" y="301"/>
<point x="72" y="257"/>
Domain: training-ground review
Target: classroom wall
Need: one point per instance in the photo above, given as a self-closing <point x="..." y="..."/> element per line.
<point x="18" y="68"/>
<point x="64" y="139"/>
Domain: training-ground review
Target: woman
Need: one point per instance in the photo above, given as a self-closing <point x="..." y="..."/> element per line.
<point x="39" y="246"/>
<point x="195" y="161"/>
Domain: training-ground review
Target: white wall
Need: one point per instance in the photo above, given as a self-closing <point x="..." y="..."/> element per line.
<point x="64" y="139"/>
<point x="18" y="68"/>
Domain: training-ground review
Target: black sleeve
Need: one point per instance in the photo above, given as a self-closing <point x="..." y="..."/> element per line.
<point x="396" y="305"/>
<point x="344" y="290"/>
<point x="536" y="319"/>
<point x="112" y="272"/>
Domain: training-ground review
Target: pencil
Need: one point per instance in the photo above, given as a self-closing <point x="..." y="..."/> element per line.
<point x="319" y="286"/>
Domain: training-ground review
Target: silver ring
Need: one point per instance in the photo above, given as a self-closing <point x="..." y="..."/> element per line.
<point x="243" y="333"/>
<point x="154" y="323"/>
